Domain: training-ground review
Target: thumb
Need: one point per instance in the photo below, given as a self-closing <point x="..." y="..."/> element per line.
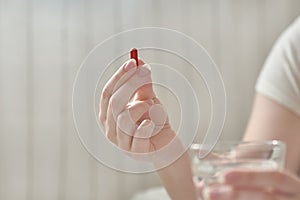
<point x="146" y="91"/>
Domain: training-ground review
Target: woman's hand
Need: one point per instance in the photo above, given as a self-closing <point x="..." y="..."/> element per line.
<point x="131" y="113"/>
<point x="255" y="185"/>
<point x="136" y="122"/>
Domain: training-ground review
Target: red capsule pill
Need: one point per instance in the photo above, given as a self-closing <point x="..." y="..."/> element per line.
<point x="134" y="55"/>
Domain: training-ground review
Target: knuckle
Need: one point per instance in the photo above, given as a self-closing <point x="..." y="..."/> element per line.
<point x="144" y="106"/>
<point x="122" y="119"/>
<point x="140" y="105"/>
<point x="125" y="148"/>
<point x="117" y="77"/>
<point x="101" y="118"/>
<point x="123" y="142"/>
<point x="110" y="136"/>
<point x="105" y="93"/>
<point x="110" y="104"/>
<point x="113" y="101"/>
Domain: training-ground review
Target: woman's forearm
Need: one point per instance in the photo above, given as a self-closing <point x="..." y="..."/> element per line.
<point x="177" y="179"/>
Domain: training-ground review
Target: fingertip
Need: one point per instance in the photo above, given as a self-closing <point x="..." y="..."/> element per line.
<point x="141" y="62"/>
<point x="231" y="176"/>
<point x="217" y="192"/>
<point x="131" y="60"/>
<point x="130" y="64"/>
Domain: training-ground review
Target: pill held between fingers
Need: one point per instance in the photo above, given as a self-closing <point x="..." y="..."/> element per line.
<point x="134" y="55"/>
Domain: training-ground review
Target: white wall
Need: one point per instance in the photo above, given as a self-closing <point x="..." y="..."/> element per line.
<point x="42" y="44"/>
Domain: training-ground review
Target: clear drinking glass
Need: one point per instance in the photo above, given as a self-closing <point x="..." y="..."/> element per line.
<point x="228" y="155"/>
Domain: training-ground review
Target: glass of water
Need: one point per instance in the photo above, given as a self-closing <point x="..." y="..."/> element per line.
<point x="229" y="155"/>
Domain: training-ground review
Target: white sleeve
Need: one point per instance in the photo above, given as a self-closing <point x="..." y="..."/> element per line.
<point x="280" y="76"/>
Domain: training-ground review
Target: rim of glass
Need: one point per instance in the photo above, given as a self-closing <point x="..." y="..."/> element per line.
<point x="229" y="145"/>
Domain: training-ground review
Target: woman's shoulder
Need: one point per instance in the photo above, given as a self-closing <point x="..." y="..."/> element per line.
<point x="280" y="77"/>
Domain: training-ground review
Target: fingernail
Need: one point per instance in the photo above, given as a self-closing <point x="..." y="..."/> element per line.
<point x="145" y="129"/>
<point x="215" y="192"/>
<point x="146" y="123"/>
<point x="129" y="65"/>
<point x="144" y="70"/>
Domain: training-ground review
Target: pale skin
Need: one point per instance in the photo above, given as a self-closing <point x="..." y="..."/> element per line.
<point x="269" y="120"/>
<point x="177" y="177"/>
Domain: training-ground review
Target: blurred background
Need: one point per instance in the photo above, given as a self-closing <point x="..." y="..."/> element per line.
<point x="42" y="44"/>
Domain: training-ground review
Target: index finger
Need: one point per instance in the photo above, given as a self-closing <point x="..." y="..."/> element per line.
<point x="110" y="86"/>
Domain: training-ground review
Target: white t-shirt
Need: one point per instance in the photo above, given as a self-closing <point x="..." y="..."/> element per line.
<point x="280" y="76"/>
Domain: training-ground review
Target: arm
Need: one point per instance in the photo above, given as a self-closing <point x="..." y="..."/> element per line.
<point x="177" y="179"/>
<point x="270" y="120"/>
